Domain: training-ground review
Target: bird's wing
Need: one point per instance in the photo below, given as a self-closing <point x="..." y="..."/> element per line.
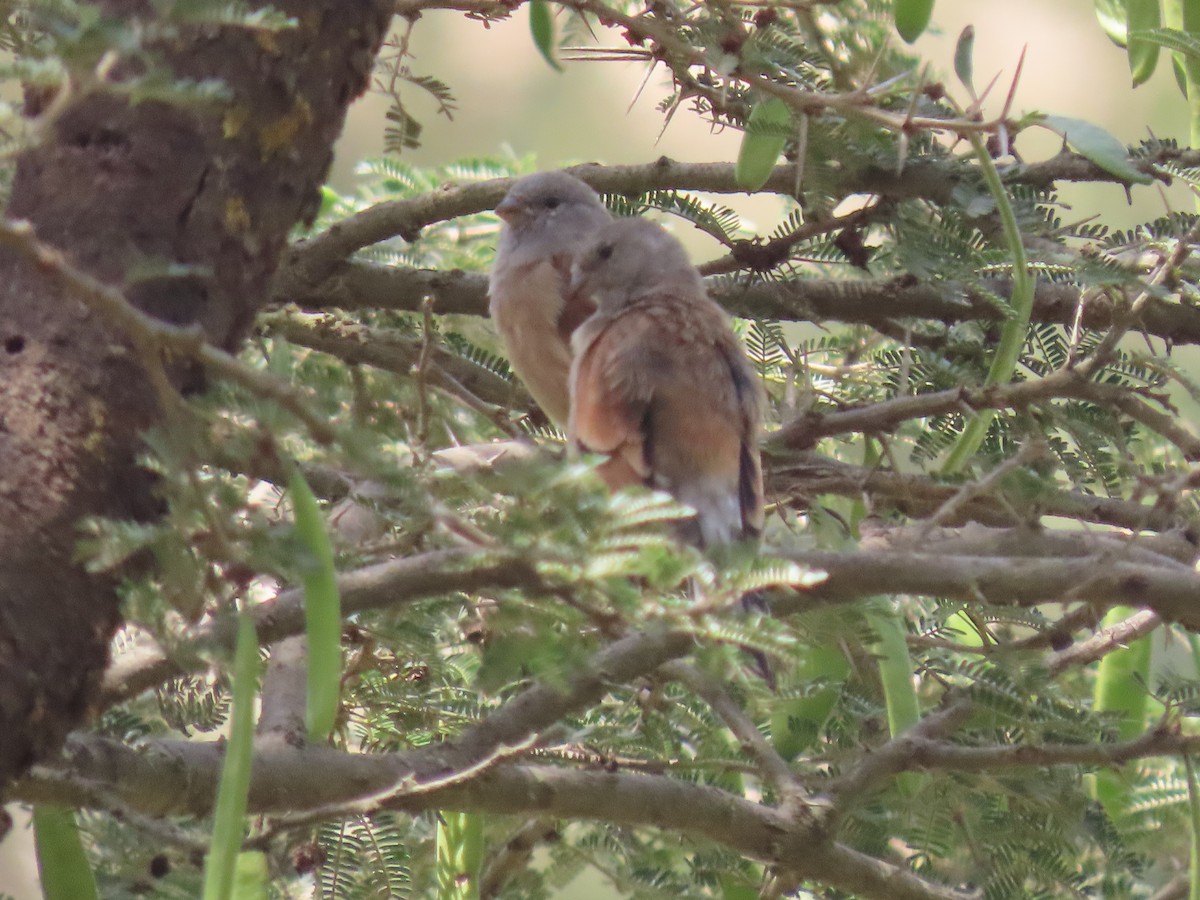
<point x="607" y="416"/>
<point x="664" y="389"/>
<point x="749" y="398"/>
<point x="706" y="421"/>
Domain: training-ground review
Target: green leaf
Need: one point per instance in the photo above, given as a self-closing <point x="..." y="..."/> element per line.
<point x="1171" y="39"/>
<point x="1122" y="687"/>
<point x="1173" y="19"/>
<point x="251" y="877"/>
<point x="964" y="62"/>
<point x="66" y="874"/>
<point x="229" y="817"/>
<point x="731" y="889"/>
<point x="541" y="26"/>
<point x="896" y="670"/>
<point x="322" y="611"/>
<point x="459" y="855"/>
<point x="766" y="133"/>
<point x="970" y="634"/>
<point x="1141" y="15"/>
<point x="1097" y="145"/>
<point x="912" y="17"/>
<point x="1123" y="677"/>
<point x="229" y="15"/>
<point x="1187" y="13"/>
<point x="797" y="722"/>
<point x="1191" y="16"/>
<point x="1111" y="16"/>
<point x="896" y="674"/>
<point x="1012" y="336"/>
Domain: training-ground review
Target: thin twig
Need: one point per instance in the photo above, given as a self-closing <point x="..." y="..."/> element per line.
<point x="880" y="764"/>
<point x="972" y="489"/>
<point x="393" y="582"/>
<point x="773" y="767"/>
<point x="514" y="855"/>
<point x="421" y="372"/>
<point x="1102" y="352"/>
<point x="1104" y="641"/>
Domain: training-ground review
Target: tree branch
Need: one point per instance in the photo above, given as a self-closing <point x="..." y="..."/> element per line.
<point x="878" y="418"/>
<point x="514" y="855"/>
<point x="284" y="695"/>
<point x="1104" y="641"/>
<point x="172" y="778"/>
<point x="1171" y="551"/>
<point x="774" y="769"/>
<point x="877" y="302"/>
<point x="881" y="763"/>
<point x="152" y="336"/>
<point x="944" y="756"/>
<point x="179" y="778"/>
<point x="807" y="474"/>
<point x="360" y="344"/>
<point x="390" y="583"/>
<point x="1171" y="591"/>
<point x="311" y="261"/>
<point x="1021" y="566"/>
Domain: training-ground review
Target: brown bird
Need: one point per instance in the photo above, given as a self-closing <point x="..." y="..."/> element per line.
<point x="547" y="217"/>
<point x="661" y="385"/>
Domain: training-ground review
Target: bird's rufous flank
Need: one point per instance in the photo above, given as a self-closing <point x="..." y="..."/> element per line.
<point x="547" y="218"/>
<point x="661" y="385"/>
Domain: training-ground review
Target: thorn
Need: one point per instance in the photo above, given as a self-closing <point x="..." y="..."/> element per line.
<point x="977" y="105"/>
<point x="870" y="76"/>
<point x="667" y="120"/>
<point x="641" y="87"/>
<point x="912" y="104"/>
<point x="1013" y="89"/>
<point x="884" y="85"/>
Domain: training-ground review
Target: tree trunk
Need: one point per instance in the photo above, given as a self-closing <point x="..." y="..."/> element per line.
<point x="215" y="187"/>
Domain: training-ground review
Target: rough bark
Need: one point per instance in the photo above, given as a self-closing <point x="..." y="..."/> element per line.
<point x="216" y="188"/>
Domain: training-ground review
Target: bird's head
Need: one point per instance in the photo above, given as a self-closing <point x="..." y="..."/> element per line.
<point x="544" y="200"/>
<point x="629" y="259"/>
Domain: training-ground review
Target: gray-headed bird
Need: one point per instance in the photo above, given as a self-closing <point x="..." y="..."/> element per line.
<point x="547" y="218"/>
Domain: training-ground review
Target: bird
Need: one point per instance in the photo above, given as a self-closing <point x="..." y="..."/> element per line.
<point x="660" y="384"/>
<point x="546" y="218"/>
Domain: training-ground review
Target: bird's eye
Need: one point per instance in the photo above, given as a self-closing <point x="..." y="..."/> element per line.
<point x="551" y="202"/>
<point x="605" y="251"/>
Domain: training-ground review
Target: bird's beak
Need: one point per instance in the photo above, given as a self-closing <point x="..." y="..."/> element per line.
<point x="512" y="212"/>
